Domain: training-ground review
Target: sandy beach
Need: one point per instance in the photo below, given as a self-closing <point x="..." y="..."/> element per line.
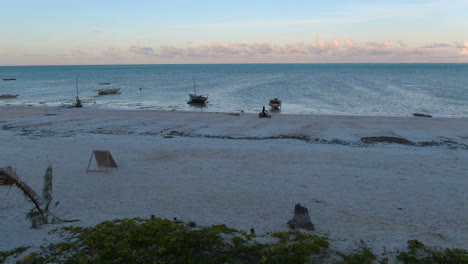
<point x="365" y="179"/>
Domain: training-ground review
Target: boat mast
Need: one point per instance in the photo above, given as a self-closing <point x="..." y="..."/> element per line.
<point x="194" y="90"/>
<point x="78" y="101"/>
<point x="76" y="86"/>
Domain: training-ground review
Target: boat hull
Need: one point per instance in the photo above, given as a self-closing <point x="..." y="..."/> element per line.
<point x="8" y="96"/>
<point x="198" y="99"/>
<point x="109" y="91"/>
<point x="275" y="104"/>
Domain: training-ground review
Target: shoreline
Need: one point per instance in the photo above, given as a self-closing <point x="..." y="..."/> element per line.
<point x="10" y="107"/>
<point x="69" y="104"/>
<point x="325" y="128"/>
<point x="235" y="169"/>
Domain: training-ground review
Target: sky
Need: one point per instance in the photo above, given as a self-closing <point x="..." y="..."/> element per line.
<point x="83" y="32"/>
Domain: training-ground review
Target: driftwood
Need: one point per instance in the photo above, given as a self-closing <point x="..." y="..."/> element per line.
<point x="301" y="219"/>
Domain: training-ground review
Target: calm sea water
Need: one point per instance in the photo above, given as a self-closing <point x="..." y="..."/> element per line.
<point x="355" y="89"/>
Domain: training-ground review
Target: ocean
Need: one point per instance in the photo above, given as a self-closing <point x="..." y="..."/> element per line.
<point x="350" y="89"/>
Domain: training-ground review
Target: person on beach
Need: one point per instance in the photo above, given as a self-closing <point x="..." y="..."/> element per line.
<point x="263" y="113"/>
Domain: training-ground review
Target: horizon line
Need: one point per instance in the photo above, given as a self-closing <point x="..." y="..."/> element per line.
<point x="246" y="63"/>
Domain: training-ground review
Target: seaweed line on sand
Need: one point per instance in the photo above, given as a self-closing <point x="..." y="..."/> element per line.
<point x="363" y="142"/>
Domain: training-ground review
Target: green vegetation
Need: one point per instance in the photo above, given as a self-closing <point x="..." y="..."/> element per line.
<point x="163" y="241"/>
<point x="421" y="254"/>
<point x="5" y="254"/>
<point x="363" y="256"/>
<point x="158" y="240"/>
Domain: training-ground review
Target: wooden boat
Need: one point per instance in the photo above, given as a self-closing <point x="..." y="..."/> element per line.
<point x="108" y="91"/>
<point x="104" y="83"/>
<point x="8" y="96"/>
<point x="10" y="79"/>
<point x="197" y="99"/>
<point x="275" y="103"/>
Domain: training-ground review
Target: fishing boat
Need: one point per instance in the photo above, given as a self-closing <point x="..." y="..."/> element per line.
<point x="10" y="79"/>
<point x="108" y="91"/>
<point x="8" y="96"/>
<point x="275" y="103"/>
<point x="104" y="83"/>
<point x="197" y="99"/>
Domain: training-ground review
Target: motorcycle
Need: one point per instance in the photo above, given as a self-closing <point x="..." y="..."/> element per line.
<point x="264" y="114"/>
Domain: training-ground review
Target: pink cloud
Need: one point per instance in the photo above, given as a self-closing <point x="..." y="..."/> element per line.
<point x="223" y="48"/>
<point x="370" y="49"/>
<point x="335" y="43"/>
<point x="219" y="49"/>
<point x="318" y="51"/>
<point x="263" y="48"/>
<point x="141" y="50"/>
<point x="167" y="51"/>
<point x="436" y="46"/>
<point x="296" y="48"/>
<point x="374" y="45"/>
<point x="464" y="49"/>
<point x="321" y="44"/>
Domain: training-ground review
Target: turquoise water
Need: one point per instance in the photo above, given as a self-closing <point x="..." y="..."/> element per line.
<point x="355" y="89"/>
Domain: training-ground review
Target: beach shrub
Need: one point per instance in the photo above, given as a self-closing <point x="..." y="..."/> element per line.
<point x="418" y="253"/>
<point x="29" y="259"/>
<point x="158" y="240"/>
<point x="362" y="256"/>
<point x="6" y="254"/>
<point x="295" y="247"/>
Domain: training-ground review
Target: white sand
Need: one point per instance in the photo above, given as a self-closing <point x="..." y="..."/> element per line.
<point x="382" y="194"/>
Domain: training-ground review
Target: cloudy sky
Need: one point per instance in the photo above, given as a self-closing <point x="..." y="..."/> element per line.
<point x="50" y="32"/>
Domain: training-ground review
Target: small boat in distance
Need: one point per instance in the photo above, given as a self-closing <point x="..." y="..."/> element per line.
<point x="8" y="96"/>
<point x="275" y="103"/>
<point x="10" y="79"/>
<point x="104" y="83"/>
<point x="109" y="91"/>
<point x="197" y="99"/>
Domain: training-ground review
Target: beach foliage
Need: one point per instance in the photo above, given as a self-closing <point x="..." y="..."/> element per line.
<point x="418" y="253"/>
<point x="362" y="256"/>
<point x="6" y="254"/>
<point x="40" y="214"/>
<point x="158" y="240"/>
